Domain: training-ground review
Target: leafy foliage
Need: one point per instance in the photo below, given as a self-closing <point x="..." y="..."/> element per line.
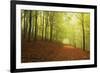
<point x="71" y="28"/>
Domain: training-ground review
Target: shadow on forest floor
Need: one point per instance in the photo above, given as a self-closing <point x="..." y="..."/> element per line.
<point x="42" y="51"/>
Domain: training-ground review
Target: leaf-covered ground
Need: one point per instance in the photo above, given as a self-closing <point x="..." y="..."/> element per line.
<point x="41" y="51"/>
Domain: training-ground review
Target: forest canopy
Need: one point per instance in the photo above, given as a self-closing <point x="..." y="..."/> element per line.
<point x="72" y="28"/>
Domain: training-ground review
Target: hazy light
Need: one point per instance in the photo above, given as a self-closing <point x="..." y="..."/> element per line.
<point x="66" y="41"/>
<point x="73" y="20"/>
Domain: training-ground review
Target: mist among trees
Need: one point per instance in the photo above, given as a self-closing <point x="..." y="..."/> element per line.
<point x="63" y="28"/>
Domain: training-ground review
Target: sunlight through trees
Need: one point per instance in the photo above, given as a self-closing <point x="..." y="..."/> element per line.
<point x="71" y="28"/>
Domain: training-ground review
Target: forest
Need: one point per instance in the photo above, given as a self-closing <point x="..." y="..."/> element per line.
<point x="54" y="35"/>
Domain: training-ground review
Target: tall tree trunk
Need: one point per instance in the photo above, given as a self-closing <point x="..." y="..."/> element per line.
<point x="42" y="25"/>
<point x="74" y="37"/>
<point x="36" y="26"/>
<point x="46" y="23"/>
<point x="83" y="31"/>
<point x="30" y="25"/>
<point x="24" y="23"/>
<point x="51" y="26"/>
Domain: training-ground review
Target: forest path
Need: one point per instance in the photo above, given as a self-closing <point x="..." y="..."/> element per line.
<point x="47" y="51"/>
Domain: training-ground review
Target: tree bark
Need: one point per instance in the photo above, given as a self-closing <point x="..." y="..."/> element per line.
<point x="24" y="23"/>
<point x="51" y="26"/>
<point x="46" y="26"/>
<point x="30" y="25"/>
<point x="36" y="26"/>
<point x="42" y="25"/>
<point x="83" y="31"/>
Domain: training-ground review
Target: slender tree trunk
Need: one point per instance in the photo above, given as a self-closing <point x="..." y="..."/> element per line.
<point x="56" y="34"/>
<point x="42" y="26"/>
<point x="83" y="31"/>
<point x="30" y="25"/>
<point x="46" y="27"/>
<point x="24" y="23"/>
<point x="51" y="26"/>
<point x="36" y="26"/>
<point x="74" y="39"/>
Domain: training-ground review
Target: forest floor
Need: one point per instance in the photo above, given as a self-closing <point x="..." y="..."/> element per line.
<point x="41" y="51"/>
